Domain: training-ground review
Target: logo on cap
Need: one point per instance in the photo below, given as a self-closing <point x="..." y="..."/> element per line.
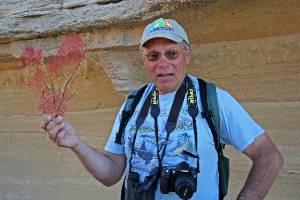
<point x="159" y="25"/>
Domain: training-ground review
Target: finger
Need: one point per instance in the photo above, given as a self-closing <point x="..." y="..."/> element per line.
<point x="54" y="131"/>
<point x="50" y="125"/>
<point x="54" y="122"/>
<point x="45" y="122"/>
<point x="58" y="119"/>
<point x="60" y="133"/>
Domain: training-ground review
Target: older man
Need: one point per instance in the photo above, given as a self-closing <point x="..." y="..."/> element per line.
<point x="165" y="153"/>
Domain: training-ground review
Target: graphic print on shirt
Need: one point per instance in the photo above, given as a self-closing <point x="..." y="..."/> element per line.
<point x="145" y="149"/>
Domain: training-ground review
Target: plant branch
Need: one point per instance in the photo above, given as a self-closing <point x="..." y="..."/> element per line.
<point x="53" y="96"/>
<point x="43" y="100"/>
<point x="66" y="85"/>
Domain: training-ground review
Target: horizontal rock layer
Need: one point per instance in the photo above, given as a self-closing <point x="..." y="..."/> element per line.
<point x="250" y="48"/>
<point x="32" y="168"/>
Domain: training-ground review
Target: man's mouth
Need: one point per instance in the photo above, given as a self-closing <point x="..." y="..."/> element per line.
<point x="165" y="77"/>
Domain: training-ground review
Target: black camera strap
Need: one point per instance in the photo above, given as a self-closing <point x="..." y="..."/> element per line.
<point x="153" y="102"/>
<point x="173" y="116"/>
<point x="155" y="110"/>
<point x="193" y="112"/>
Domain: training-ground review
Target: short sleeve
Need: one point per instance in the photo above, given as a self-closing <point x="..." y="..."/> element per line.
<point x="111" y="146"/>
<point x="238" y="128"/>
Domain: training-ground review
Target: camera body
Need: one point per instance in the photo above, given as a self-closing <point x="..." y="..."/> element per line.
<point x="140" y="190"/>
<point x="181" y="179"/>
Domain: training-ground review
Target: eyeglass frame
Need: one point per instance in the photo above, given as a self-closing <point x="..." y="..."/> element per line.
<point x="185" y="48"/>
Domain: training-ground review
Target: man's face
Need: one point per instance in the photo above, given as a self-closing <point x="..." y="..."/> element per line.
<point x="165" y="62"/>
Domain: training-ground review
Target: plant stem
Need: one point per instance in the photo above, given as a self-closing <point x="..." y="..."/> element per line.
<point x="66" y="85"/>
<point x="53" y="96"/>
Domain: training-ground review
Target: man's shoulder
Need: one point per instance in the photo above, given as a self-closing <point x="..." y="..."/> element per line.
<point x="196" y="79"/>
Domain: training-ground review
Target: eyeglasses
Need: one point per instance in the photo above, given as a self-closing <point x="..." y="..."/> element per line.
<point x="171" y="54"/>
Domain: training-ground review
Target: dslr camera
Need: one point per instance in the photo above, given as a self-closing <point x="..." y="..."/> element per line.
<point x="181" y="179"/>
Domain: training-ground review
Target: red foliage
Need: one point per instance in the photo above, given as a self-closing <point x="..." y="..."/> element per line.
<point x="31" y="56"/>
<point x="51" y="82"/>
<point x="36" y="80"/>
<point x="71" y="50"/>
<point x="69" y="54"/>
<point x="55" y="64"/>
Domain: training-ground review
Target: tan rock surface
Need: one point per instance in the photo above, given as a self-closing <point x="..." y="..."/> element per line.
<point x="32" y="168"/>
<point x="256" y="26"/>
<point x="251" y="48"/>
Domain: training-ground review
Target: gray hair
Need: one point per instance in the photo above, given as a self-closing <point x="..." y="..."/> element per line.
<point x="186" y="46"/>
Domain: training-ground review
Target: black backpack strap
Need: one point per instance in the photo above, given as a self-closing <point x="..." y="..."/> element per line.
<point x="131" y="102"/>
<point x="123" y="190"/>
<point x="211" y="113"/>
<point x="208" y="113"/>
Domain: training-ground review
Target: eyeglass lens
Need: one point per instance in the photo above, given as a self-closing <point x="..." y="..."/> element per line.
<point x="171" y="54"/>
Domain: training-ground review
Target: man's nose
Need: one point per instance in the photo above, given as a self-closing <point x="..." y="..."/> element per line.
<point x="163" y="61"/>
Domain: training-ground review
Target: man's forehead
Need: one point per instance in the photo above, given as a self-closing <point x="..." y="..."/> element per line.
<point x="159" y="42"/>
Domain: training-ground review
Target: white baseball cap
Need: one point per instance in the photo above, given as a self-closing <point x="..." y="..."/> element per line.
<point x="164" y="28"/>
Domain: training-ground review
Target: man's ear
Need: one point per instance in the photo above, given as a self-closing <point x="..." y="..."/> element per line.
<point x="142" y="55"/>
<point x="188" y="56"/>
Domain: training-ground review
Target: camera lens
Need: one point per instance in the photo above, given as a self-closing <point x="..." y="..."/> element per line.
<point x="184" y="187"/>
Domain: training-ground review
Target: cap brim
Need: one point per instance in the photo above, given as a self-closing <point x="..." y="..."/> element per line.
<point x="172" y="37"/>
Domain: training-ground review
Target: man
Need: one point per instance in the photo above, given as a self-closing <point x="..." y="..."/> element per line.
<point x="150" y="150"/>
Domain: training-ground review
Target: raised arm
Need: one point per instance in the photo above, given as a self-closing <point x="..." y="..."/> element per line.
<point x="267" y="162"/>
<point x="106" y="167"/>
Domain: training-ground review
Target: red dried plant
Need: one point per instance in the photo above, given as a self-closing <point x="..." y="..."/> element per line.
<point x="51" y="82"/>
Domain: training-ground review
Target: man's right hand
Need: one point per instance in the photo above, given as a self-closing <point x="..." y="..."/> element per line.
<point x="60" y="132"/>
<point x="106" y="167"/>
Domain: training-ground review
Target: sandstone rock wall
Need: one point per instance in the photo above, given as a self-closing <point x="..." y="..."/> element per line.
<point x="250" y="48"/>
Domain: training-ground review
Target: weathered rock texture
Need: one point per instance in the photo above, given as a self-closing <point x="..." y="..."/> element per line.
<point x="32" y="168"/>
<point x="251" y="48"/>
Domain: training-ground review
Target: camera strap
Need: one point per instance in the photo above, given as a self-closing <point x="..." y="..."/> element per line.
<point x="152" y="101"/>
<point x="172" y="118"/>
<point x="155" y="110"/>
<point x="193" y="112"/>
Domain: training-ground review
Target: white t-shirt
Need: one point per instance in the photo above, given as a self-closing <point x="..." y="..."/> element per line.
<point x="237" y="129"/>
